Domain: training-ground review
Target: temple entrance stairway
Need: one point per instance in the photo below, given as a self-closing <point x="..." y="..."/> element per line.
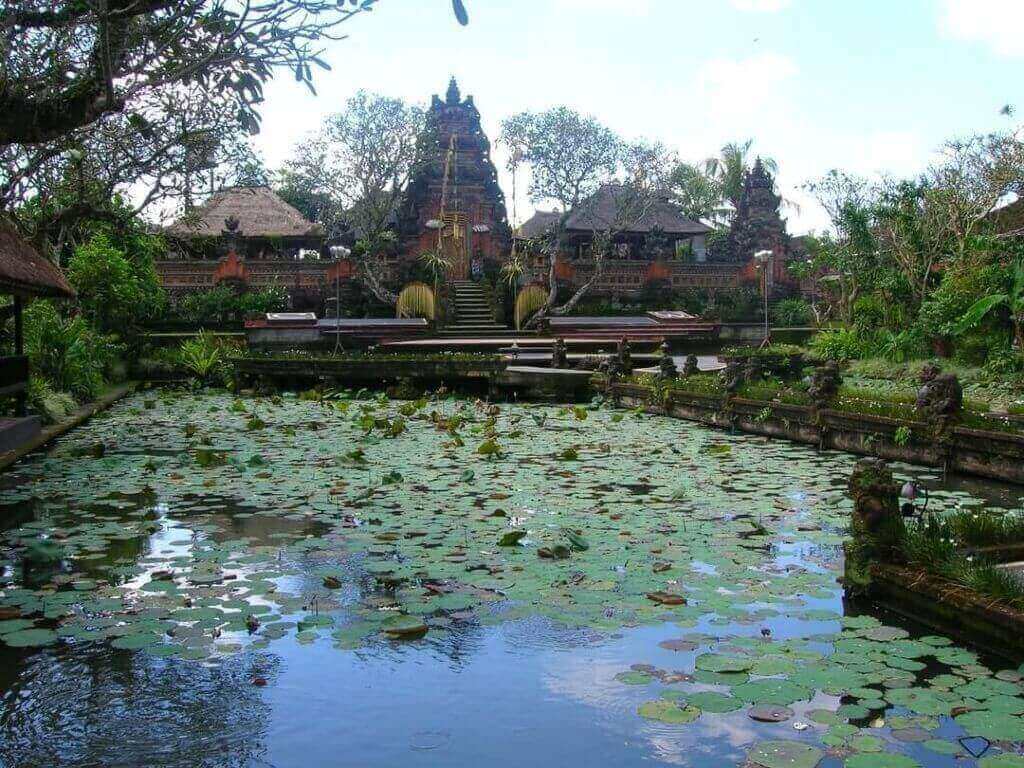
<point x="473" y="316"/>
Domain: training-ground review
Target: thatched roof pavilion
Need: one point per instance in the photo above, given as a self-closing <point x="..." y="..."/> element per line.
<point x="266" y="224"/>
<point x="24" y="273"/>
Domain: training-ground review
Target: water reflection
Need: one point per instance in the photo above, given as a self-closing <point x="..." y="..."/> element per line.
<point x="503" y="684"/>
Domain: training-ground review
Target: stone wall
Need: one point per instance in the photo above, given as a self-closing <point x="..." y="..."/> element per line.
<point x="308" y="283"/>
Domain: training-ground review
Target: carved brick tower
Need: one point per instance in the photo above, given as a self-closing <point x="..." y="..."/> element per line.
<point x="453" y="198"/>
<point x="758" y="226"/>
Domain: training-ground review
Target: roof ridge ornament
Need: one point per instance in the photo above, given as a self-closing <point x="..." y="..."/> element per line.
<point x="454" y="96"/>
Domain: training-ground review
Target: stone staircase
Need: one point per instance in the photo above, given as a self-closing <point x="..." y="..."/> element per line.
<point x="473" y="316"/>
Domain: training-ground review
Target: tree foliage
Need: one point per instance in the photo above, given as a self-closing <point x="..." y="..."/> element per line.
<point x="569" y="155"/>
<point x="575" y="162"/>
<point x="75" y="61"/>
<point x="710" y="191"/>
<point x="355" y="169"/>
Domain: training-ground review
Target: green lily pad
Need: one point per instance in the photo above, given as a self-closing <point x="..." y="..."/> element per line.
<point x="665" y="711"/>
<point x="784" y="754"/>
<point x="29" y="638"/>
<point x="996" y="726"/>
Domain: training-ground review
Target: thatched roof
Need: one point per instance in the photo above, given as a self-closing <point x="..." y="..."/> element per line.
<point x="1009" y="219"/>
<point x="539" y="224"/>
<point x="259" y="211"/>
<point x="603" y="209"/>
<point x="24" y="272"/>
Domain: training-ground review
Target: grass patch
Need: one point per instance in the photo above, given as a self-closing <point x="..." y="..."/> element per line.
<point x="934" y="545"/>
<point x="876" y="402"/>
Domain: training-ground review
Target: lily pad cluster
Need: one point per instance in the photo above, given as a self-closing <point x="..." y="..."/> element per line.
<point x="209" y="525"/>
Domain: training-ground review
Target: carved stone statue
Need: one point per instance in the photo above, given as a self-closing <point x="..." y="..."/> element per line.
<point x="755" y="369"/>
<point x="667" y="367"/>
<point x="734" y="375"/>
<point x="559" y="355"/>
<point x="825" y="383"/>
<point x="929" y="372"/>
<point x="624" y="356"/>
<point x="940" y="398"/>
<point x="875" y="495"/>
<point x="690" y="365"/>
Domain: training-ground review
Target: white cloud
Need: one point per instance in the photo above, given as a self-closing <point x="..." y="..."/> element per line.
<point x="995" y="23"/>
<point x="741" y="89"/>
<point x="762" y="6"/>
<point x="619" y="7"/>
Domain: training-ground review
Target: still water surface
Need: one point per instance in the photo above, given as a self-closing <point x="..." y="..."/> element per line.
<point x="233" y="576"/>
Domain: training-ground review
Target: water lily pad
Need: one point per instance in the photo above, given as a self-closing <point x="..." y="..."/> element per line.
<point x="29" y="638"/>
<point x="997" y="726"/>
<point x="768" y="713"/>
<point x="771" y="691"/>
<point x="785" y="754"/>
<point x="404" y="627"/>
<point x="665" y="711"/>
<point x="880" y="760"/>
<point x="709" y="701"/>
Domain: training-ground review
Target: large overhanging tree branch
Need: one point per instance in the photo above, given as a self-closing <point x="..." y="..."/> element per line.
<point x="173" y="148"/>
<point x="67" y="63"/>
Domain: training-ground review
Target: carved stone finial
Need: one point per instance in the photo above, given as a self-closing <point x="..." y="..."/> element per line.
<point x="559" y="355"/>
<point x="624" y="356"/>
<point x="690" y="366"/>
<point x="454" y="97"/>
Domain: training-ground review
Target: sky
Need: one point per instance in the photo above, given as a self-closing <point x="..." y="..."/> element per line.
<point x="868" y="86"/>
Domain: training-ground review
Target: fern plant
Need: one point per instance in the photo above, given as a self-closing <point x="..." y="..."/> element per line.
<point x="201" y="356"/>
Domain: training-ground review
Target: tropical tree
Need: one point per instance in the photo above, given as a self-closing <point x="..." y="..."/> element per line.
<point x="75" y="61"/>
<point x="569" y="155"/>
<point x="576" y="162"/>
<point x="354" y="171"/>
<point x="1011" y="300"/>
<point x="710" y="191"/>
<point x="168" y="153"/>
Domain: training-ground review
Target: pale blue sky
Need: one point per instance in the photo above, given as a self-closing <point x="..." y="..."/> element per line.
<point x="872" y="86"/>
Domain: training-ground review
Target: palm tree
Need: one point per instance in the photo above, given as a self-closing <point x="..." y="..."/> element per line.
<point x="731" y="167"/>
<point x="712" y="189"/>
<point x="438" y="264"/>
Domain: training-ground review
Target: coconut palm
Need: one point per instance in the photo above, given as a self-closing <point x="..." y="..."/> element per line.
<point x="711" y="190"/>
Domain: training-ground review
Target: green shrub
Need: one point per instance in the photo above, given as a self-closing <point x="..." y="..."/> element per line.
<point x="839" y="344"/>
<point x="72" y="355"/>
<point x="205" y="357"/>
<point x="222" y="304"/>
<point x="903" y="346"/>
<point x="792" y="312"/>
<point x="53" y="406"/>
<point x="115" y="291"/>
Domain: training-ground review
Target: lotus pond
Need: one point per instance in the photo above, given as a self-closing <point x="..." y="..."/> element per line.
<point x="194" y="580"/>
